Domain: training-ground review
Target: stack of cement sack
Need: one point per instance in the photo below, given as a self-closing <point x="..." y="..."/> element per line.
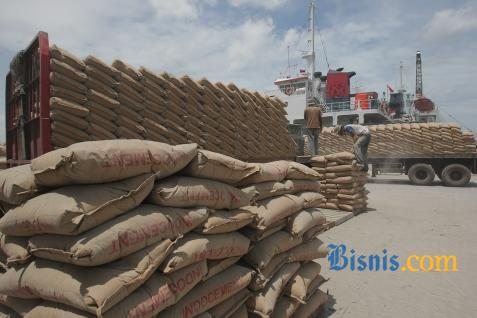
<point x="405" y="139"/>
<point x="134" y="228"/>
<point x="342" y="183"/>
<point x="91" y="100"/>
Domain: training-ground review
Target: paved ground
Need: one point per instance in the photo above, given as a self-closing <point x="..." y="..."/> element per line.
<point x="406" y="220"/>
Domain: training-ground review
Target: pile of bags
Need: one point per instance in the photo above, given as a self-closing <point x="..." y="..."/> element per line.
<point x="341" y="182"/>
<point x="91" y="100"/>
<point x="405" y="139"/>
<point x="135" y="228"/>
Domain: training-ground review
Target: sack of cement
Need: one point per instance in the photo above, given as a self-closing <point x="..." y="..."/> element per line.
<point x="67" y="70"/>
<point x="227" y="308"/>
<point x="270" y="171"/>
<point x="100" y="65"/>
<point x="56" y="310"/>
<point x="211" y="292"/>
<point x="304" y="220"/>
<point x="285" y="307"/>
<point x="264" y="275"/>
<point x="222" y="221"/>
<point x="67" y="94"/>
<point x="65" y="117"/>
<point x="313" y="306"/>
<point x="66" y="57"/>
<point x="272" y="210"/>
<point x="262" y="252"/>
<point x="267" y="190"/>
<point x="308" y="251"/>
<point x="195" y="247"/>
<point x="305" y="282"/>
<point x="94" y="290"/>
<point x="17" y="185"/>
<point x="119" y="237"/>
<point x="258" y="235"/>
<point x="20" y="307"/>
<point x="189" y="192"/>
<point x="69" y="107"/>
<point x="110" y="160"/>
<point x="159" y="292"/>
<point x="311" y="199"/>
<point x="264" y="302"/>
<point x="15" y="249"/>
<point x="301" y="172"/>
<point x="215" y="166"/>
<point x="72" y="210"/>
<point x="215" y="266"/>
<point x="63" y="81"/>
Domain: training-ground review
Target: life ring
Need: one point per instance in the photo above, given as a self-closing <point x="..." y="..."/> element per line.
<point x="289" y="90"/>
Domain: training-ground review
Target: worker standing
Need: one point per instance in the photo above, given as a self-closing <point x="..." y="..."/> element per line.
<point x="361" y="138"/>
<point x="313" y="122"/>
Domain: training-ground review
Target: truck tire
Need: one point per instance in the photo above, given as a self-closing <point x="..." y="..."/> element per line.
<point x="421" y="174"/>
<point x="456" y="175"/>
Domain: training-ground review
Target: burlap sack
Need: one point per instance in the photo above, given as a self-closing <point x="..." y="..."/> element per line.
<point x="69" y="95"/>
<point x="313" y="306"/>
<point x="342" y="180"/>
<point x="119" y="237"/>
<point x="189" y="192"/>
<point x="66" y="57"/>
<point x="304" y="220"/>
<point x="216" y="266"/>
<point x="63" y="81"/>
<point x="67" y="70"/>
<point x="100" y="110"/>
<point x="340" y="156"/>
<point x="300" y="286"/>
<point x="56" y="310"/>
<point x="211" y="292"/>
<point x="195" y="247"/>
<point x="99" y="75"/>
<point x="285" y="307"/>
<point x="128" y="69"/>
<point x="159" y="292"/>
<point x="303" y="185"/>
<point x="18" y="185"/>
<point x="226" y="308"/>
<point x="69" y="107"/>
<point x="94" y="290"/>
<point x="74" y="209"/>
<point x="65" y="117"/>
<point x="299" y="171"/>
<point x="100" y="87"/>
<point x="308" y="251"/>
<point x="272" y="210"/>
<point x="222" y="221"/>
<point x="262" y="253"/>
<point x="270" y="171"/>
<point x="102" y="99"/>
<point x="341" y="168"/>
<point x="18" y="305"/>
<point x="311" y="199"/>
<point x="215" y="166"/>
<point x="258" y="235"/>
<point x="265" y="190"/>
<point x="264" y="302"/>
<point x="100" y="65"/>
<point x="264" y="275"/>
<point x="123" y="121"/>
<point x="99" y="132"/>
<point x="60" y="141"/>
<point x="110" y="160"/>
<point x="69" y="131"/>
<point x="313" y="232"/>
<point x="15" y="249"/>
<point x="125" y="133"/>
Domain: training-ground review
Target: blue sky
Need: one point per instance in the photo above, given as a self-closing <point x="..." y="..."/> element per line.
<point x="245" y="41"/>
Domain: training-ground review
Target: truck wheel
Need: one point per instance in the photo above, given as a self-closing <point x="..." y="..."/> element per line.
<point x="456" y="175"/>
<point x="421" y="174"/>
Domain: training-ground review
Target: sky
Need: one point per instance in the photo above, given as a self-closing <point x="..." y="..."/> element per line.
<point x="247" y="41"/>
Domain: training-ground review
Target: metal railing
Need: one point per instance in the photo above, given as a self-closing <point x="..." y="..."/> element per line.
<point x="334" y="107"/>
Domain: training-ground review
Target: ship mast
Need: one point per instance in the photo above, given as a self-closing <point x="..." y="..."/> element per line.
<point x="309" y="56"/>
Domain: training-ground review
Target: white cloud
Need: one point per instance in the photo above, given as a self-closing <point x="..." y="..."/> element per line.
<point x="450" y="22"/>
<point x="176" y="8"/>
<point x="266" y="4"/>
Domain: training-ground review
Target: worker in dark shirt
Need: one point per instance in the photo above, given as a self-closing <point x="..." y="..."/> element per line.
<point x="361" y="138"/>
<point x="313" y="123"/>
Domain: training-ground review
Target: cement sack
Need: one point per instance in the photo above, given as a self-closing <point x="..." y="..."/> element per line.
<point x="270" y="171"/>
<point x="100" y="65"/>
<point x="100" y="87"/>
<point x="304" y="220"/>
<point x="18" y="185"/>
<point x="15" y="249"/>
<point x="303" y="185"/>
<point x="100" y="110"/>
<point x="6" y="312"/>
<point x="194" y="248"/>
<point x="313" y="232"/>
<point x="313" y="307"/>
<point x="69" y="107"/>
<point x="300" y="286"/>
<point x="285" y="307"/>
<point x="211" y="293"/>
<point x="341" y="168"/>
<point x="272" y="210"/>
<point x="125" y="133"/>
<point x="128" y="69"/>
<point x="66" y="57"/>
<point x="56" y="310"/>
<point x="264" y="302"/>
<point x="63" y="81"/>
<point x="61" y="141"/>
<point x="215" y="166"/>
<point x="189" y="192"/>
<point x="159" y="292"/>
<point x="102" y="99"/>
<point x="216" y="266"/>
<point x="223" y="221"/>
<point x="342" y="180"/>
<point x="69" y="95"/>
<point x="110" y="160"/>
<point x="264" y="275"/>
<point x="67" y="70"/>
<point x="94" y="290"/>
<point x="19" y="305"/>
<point x="226" y="308"/>
<point x="301" y="172"/>
<point x="126" y="90"/>
<point x="267" y="190"/>
<point x="340" y="156"/>
<point x="258" y="235"/>
<point x="119" y="237"/>
<point x="99" y="132"/>
<point x="69" y="131"/>
<point x="65" y="117"/>
<point x="311" y="199"/>
<point x="129" y="113"/>
<point x="73" y="210"/>
<point x="308" y="251"/>
<point x="101" y="76"/>
<point x="130" y="124"/>
<point x="240" y="313"/>
<point x="264" y="251"/>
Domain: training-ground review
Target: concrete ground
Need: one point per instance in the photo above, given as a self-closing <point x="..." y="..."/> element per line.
<point x="407" y="220"/>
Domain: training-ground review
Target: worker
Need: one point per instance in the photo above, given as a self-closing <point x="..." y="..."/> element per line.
<point x="313" y="122"/>
<point x="361" y="138"/>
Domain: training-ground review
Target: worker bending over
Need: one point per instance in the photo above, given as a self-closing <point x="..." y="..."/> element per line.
<point x="361" y="138"/>
<point x="314" y="125"/>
